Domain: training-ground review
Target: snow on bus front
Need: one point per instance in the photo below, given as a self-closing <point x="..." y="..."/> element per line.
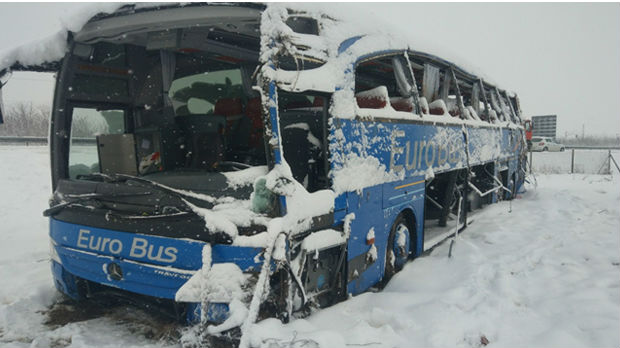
<point x="150" y="264"/>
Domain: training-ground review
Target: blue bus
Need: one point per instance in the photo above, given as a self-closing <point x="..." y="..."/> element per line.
<point x="234" y="162"/>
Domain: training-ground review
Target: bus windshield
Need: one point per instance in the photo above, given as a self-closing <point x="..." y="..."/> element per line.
<point x="161" y="112"/>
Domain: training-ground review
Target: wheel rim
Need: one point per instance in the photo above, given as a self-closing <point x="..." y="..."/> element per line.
<point x="401" y="245"/>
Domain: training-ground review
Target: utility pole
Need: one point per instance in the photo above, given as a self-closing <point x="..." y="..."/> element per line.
<point x="583" y="131"/>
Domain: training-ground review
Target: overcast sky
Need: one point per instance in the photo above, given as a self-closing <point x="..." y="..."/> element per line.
<point x="560" y="58"/>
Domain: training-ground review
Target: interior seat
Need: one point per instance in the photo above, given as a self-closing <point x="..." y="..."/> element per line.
<point x="402" y="104"/>
<point x="438" y="107"/>
<point x="376" y="98"/>
<point x="453" y="108"/>
<point x="232" y="108"/>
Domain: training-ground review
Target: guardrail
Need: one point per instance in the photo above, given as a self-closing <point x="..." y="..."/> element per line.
<point x="9" y="140"/>
<point x="577" y="147"/>
<point x="12" y="140"/>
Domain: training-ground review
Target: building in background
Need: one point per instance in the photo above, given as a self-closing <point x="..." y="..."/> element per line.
<point x="544" y="126"/>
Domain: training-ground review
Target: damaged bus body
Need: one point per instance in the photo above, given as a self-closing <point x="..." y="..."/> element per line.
<point x="240" y="161"/>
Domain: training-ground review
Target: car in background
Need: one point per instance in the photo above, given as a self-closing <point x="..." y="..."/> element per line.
<point x="545" y="144"/>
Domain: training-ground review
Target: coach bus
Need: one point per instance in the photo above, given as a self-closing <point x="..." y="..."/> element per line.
<point x="240" y="161"/>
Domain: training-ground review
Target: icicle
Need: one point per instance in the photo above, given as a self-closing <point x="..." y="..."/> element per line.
<point x="456" y="228"/>
<point x="206" y="267"/>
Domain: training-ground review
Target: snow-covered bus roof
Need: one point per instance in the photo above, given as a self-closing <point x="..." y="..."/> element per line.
<point x="340" y="42"/>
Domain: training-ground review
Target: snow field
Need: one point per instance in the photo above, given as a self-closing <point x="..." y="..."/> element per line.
<point x="544" y="275"/>
<point x="539" y="271"/>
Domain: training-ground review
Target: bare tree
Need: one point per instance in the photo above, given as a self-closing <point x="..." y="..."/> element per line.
<point x="26" y="119"/>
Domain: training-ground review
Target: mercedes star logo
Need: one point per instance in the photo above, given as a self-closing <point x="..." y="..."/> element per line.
<point x="115" y="271"/>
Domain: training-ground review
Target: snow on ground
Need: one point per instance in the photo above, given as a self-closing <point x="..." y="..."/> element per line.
<point x="544" y="274"/>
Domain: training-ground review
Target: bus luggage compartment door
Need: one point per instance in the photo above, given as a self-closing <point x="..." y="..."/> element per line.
<point x="365" y="261"/>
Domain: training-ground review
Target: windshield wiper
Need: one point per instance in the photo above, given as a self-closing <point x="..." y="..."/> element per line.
<point x="147" y="217"/>
<point x="178" y="193"/>
<point x="78" y="198"/>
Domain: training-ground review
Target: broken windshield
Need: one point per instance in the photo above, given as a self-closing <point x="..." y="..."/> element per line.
<point x="182" y="111"/>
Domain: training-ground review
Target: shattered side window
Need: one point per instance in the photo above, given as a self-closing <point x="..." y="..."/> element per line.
<point x="373" y="73"/>
<point x="303" y="126"/>
<point x="377" y="85"/>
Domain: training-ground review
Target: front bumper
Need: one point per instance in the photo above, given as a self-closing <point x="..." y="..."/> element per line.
<point x="137" y="263"/>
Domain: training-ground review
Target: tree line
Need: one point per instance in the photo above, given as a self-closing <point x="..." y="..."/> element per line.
<point x="26" y="119"/>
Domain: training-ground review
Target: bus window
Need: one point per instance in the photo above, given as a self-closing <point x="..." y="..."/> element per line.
<point x="87" y="124"/>
<point x="101" y="73"/>
<point x="101" y="53"/>
<point x="470" y="96"/>
<point x="488" y="114"/>
<point x="508" y="108"/>
<point x="214" y="112"/>
<point x="417" y="69"/>
<point x="435" y="90"/>
<point x="450" y="94"/>
<point x="495" y="105"/>
<point x="379" y="83"/>
<point x="303" y="124"/>
<point x="199" y="85"/>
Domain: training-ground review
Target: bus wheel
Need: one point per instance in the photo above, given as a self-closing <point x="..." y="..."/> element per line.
<point x="398" y="248"/>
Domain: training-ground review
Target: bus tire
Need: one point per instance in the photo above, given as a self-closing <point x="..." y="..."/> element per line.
<point x="398" y="248"/>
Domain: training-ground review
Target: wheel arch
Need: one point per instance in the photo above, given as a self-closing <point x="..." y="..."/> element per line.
<point x="410" y="217"/>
